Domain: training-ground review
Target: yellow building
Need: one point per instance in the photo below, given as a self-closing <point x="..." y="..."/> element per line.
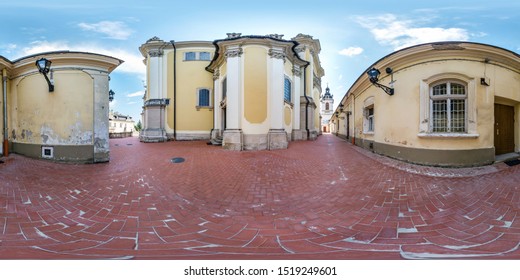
<point x="60" y="114"/>
<point x="246" y="92"/>
<point x="445" y="104"/>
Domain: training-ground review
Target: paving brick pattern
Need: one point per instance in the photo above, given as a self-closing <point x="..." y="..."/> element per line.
<point x="324" y="199"/>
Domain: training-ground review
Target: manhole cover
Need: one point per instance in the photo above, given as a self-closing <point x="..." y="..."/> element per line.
<point x="129" y="144"/>
<point x="177" y="160"/>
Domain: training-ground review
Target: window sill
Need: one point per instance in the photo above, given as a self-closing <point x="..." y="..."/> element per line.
<point x="368" y="132"/>
<point x="204" y="107"/>
<point x="448" y="135"/>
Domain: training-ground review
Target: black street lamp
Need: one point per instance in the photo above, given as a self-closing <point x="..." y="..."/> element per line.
<point x="373" y="75"/>
<point x="111" y="94"/>
<point x="44" y="67"/>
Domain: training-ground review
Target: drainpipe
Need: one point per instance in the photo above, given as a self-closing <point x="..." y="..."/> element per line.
<point x="4" y="91"/>
<point x="307" y="102"/>
<point x="174" y="91"/>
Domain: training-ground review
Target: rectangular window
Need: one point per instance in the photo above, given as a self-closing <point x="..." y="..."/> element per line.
<point x="204" y="56"/>
<point x="203" y="98"/>
<point x="287" y="90"/>
<point x="370" y="119"/>
<point x="190" y="56"/>
<point x="224" y="88"/>
<point x="448" y="108"/>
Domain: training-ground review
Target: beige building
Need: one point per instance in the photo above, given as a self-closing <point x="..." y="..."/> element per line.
<point x="62" y="115"/>
<point x="445" y="104"/>
<point x="246" y="92"/>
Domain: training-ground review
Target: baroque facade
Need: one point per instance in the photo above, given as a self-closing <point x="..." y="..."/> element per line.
<point x="244" y="92"/>
<point x="68" y="123"/>
<point x="448" y="104"/>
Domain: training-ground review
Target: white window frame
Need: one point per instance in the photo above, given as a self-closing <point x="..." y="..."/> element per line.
<point x="368" y="120"/>
<point x="286" y="78"/>
<point x="198" y="98"/>
<point x="425" y="106"/>
<point x="197" y="56"/>
<point x="449" y="98"/>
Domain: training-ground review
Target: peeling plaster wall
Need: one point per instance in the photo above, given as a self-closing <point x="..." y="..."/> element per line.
<point x="61" y="118"/>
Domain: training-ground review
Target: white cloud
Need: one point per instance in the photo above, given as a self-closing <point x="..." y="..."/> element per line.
<point x="113" y="29"/>
<point x="133" y="62"/>
<point x="351" y="51"/>
<point x="8" y="48"/>
<point x="400" y="33"/>
<point x="135" y="94"/>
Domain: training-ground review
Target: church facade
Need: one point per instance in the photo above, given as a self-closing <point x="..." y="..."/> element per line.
<point x="243" y="92"/>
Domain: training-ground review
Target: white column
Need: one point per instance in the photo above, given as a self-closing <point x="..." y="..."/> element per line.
<point x="217" y="98"/>
<point x="232" y="136"/>
<point x="234" y="88"/>
<point x="276" y="88"/>
<point x="155" y="66"/>
<point x="297" y="92"/>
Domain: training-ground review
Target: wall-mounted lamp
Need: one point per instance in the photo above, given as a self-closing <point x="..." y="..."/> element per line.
<point x="111" y="94"/>
<point x="373" y="75"/>
<point x="44" y="67"/>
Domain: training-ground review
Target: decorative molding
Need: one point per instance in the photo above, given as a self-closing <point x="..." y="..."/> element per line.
<point x="447" y="46"/>
<point x="216" y="75"/>
<point x="233" y="35"/>
<point x="234" y="52"/>
<point x="300" y="49"/>
<point x="278" y="54"/>
<point x="297" y="71"/>
<point x="155" y="53"/>
<point x="275" y="36"/>
<point x="316" y="81"/>
<point x="154" y="38"/>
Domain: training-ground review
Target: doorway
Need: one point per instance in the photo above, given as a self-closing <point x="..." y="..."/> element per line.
<point x="504" y="129"/>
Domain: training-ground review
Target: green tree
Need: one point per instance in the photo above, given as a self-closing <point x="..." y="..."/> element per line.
<point x="138" y="126"/>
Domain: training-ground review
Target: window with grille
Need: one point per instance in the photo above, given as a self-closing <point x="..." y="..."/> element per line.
<point x="287" y="90"/>
<point x="203" y="98"/>
<point x="448" y="107"/>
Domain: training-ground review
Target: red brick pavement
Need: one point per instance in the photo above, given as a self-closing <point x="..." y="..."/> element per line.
<point x="324" y="199"/>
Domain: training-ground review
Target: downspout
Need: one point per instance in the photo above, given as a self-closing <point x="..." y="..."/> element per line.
<point x="306" y="101"/>
<point x="174" y="91"/>
<point x="4" y="91"/>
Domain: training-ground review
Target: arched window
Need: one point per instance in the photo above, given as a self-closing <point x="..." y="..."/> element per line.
<point x="327" y="106"/>
<point x="448" y="103"/>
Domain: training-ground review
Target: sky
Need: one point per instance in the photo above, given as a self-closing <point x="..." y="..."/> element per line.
<point x="353" y="34"/>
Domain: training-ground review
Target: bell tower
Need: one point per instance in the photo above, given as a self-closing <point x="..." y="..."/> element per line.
<point x="327" y="105"/>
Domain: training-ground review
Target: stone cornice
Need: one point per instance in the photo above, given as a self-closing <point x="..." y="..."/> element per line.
<point x="277" y="54"/>
<point x="155" y="53"/>
<point x="234" y="52"/>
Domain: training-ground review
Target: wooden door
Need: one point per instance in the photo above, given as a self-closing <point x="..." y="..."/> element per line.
<point x="504" y="129"/>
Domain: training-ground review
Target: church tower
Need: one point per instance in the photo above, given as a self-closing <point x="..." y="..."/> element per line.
<point x="327" y="104"/>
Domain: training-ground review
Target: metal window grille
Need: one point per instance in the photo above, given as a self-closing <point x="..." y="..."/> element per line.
<point x="448" y="108"/>
<point x="287" y="90"/>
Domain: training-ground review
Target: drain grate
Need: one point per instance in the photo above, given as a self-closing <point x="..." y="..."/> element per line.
<point x="177" y="160"/>
<point x="512" y="162"/>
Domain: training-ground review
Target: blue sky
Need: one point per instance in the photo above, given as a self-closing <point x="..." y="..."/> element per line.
<point x="353" y="34"/>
